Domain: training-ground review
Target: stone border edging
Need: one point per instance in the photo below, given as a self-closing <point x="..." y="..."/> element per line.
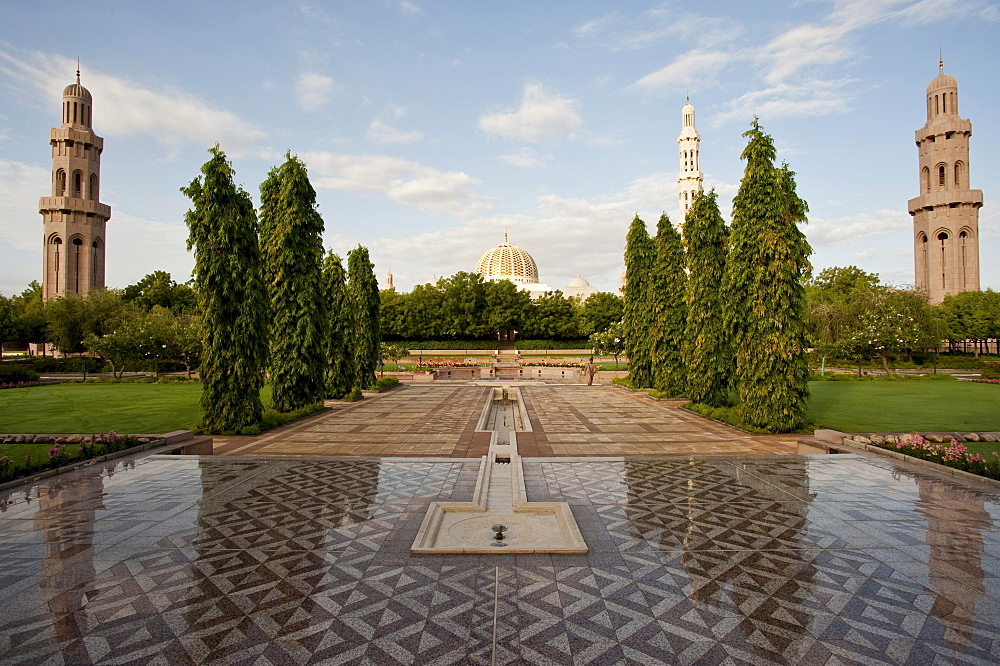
<point x="944" y="469"/>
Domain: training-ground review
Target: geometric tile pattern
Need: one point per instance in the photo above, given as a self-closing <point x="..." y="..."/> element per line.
<point x="735" y="560"/>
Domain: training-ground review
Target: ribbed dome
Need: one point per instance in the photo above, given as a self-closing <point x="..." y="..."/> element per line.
<point x="77" y="90"/>
<point x="942" y="81"/>
<point x="578" y="282"/>
<point x="508" y="262"/>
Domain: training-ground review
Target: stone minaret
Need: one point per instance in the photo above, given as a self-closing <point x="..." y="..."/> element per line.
<point x="689" y="146"/>
<point x="389" y="286"/>
<point x="73" y="218"/>
<point x="946" y="214"/>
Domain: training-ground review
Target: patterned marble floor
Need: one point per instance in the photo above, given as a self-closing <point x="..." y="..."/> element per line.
<point x="567" y="420"/>
<point x="710" y="560"/>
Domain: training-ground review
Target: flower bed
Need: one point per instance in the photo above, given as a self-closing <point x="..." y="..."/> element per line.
<point x="58" y="455"/>
<point x="953" y="454"/>
<point x="13" y="385"/>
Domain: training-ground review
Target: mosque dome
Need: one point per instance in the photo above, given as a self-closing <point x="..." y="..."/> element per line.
<point x="578" y="282"/>
<point x="942" y="80"/>
<point x="508" y="262"/>
<point x="77" y="90"/>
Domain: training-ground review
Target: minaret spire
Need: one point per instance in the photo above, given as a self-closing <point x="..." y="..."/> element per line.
<point x="689" y="179"/>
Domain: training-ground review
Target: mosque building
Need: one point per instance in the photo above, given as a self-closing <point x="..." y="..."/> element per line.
<point x="946" y="214"/>
<point x="73" y="218"/>
<point x="507" y="261"/>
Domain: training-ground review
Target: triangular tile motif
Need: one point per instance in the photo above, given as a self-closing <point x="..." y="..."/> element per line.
<point x="284" y="561"/>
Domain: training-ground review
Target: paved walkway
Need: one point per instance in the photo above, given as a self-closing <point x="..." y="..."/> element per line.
<point x="567" y="420"/>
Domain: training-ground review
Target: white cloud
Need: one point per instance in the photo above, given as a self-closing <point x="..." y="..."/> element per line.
<point x="812" y="98"/>
<point x="540" y="115"/>
<point x="314" y="91"/>
<point x="407" y="8"/>
<point x="23" y="184"/>
<point x="132" y="241"/>
<point x="688" y="69"/>
<point x="857" y="227"/>
<point x="379" y="132"/>
<point x="123" y="108"/>
<point x="403" y="181"/>
<point x="526" y="158"/>
<point x="565" y="235"/>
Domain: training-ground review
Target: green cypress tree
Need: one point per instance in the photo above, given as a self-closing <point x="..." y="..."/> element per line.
<point x="707" y="351"/>
<point x="362" y="288"/>
<point x="637" y="317"/>
<point x="340" y="328"/>
<point x="291" y="234"/>
<point x="222" y="230"/>
<point x="667" y="297"/>
<point x="767" y="262"/>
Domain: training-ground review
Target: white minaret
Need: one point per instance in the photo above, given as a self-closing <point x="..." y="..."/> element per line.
<point x="689" y="148"/>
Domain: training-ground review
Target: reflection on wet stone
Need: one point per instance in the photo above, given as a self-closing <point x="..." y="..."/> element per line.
<point x="294" y="561"/>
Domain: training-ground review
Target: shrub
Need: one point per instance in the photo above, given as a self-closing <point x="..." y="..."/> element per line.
<point x="953" y="454"/>
<point x="990" y="370"/>
<point x="14" y="374"/>
<point x="385" y="383"/>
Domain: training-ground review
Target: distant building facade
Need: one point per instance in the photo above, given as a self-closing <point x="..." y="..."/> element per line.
<point x="73" y="218"/>
<point x="689" y="179"/>
<point x="946" y="214"/>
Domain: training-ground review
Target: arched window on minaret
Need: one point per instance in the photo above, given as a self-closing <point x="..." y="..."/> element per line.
<point x="93" y="187"/>
<point x="958" y="174"/>
<point x="56" y="245"/>
<point x="941" y="175"/>
<point x="95" y="263"/>
<point x="964" y="240"/>
<point x="76" y="257"/>
<point x="60" y="184"/>
<point x="943" y="238"/>
<point x="77" y="185"/>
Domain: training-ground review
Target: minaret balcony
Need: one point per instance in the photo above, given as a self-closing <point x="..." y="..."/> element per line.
<point x="73" y="204"/>
<point x="945" y="198"/>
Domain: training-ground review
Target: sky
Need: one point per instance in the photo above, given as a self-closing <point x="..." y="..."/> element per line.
<point x="431" y="128"/>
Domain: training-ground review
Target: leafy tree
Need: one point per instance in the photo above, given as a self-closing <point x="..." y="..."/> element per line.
<point x="362" y="287"/>
<point x="767" y="261"/>
<point x="232" y="297"/>
<point x="973" y="315"/>
<point x="707" y="353"/>
<point x="893" y="321"/>
<point x="72" y="318"/>
<point x="610" y="342"/>
<point x="507" y="306"/>
<point x="158" y="288"/>
<point x="392" y="312"/>
<point x="422" y="307"/>
<point x="599" y="312"/>
<point x="30" y="310"/>
<point x="340" y="329"/>
<point x="667" y="284"/>
<point x="552" y="317"/>
<point x="291" y="235"/>
<point x="127" y="344"/>
<point x="463" y="304"/>
<point x="640" y="254"/>
<point x="393" y="351"/>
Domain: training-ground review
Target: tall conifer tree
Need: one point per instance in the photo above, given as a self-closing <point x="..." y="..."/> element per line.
<point x="362" y="287"/>
<point x="767" y="261"/>
<point x="707" y="351"/>
<point x="222" y="230"/>
<point x="291" y="232"/>
<point x="669" y="310"/>
<point x="340" y="329"/>
<point x="640" y="256"/>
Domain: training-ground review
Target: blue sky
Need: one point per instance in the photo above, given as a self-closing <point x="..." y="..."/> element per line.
<point x="430" y="128"/>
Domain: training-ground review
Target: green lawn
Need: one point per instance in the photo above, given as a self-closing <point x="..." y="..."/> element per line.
<point x="904" y="406"/>
<point x="89" y="408"/>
